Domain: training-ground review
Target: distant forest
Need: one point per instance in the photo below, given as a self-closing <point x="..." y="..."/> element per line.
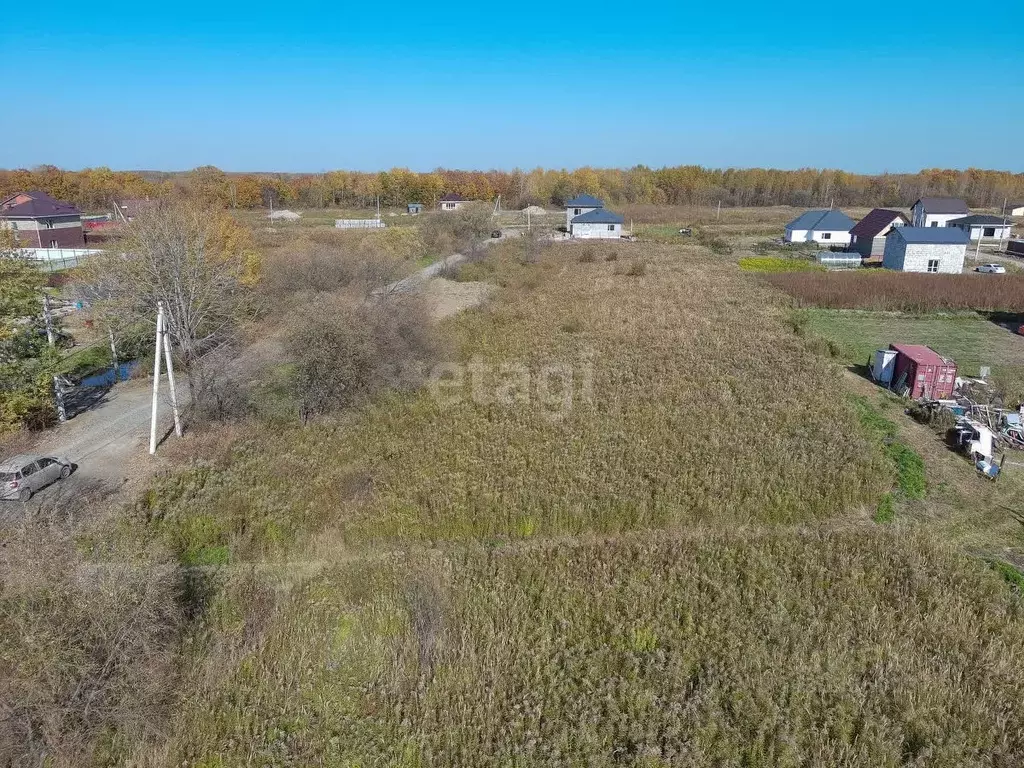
<point x="94" y="189"/>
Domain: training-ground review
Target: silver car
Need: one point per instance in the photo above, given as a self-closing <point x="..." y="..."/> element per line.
<point x="995" y="269"/>
<point x="21" y="476"/>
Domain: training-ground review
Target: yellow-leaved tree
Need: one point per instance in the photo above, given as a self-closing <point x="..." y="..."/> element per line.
<point x="199" y="262"/>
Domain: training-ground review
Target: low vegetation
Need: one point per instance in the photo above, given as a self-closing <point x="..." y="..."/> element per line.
<point x="778" y="264"/>
<point x="882" y="290"/>
<point x="856" y="648"/>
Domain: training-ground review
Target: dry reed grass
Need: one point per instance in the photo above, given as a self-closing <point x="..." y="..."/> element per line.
<point x="900" y="292"/>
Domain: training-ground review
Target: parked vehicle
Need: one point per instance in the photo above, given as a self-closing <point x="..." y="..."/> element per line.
<point x="995" y="269"/>
<point x="21" y="476"/>
<point x="686" y="231"/>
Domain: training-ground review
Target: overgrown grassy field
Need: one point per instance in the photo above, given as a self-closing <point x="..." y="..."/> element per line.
<point x="588" y="400"/>
<point x="638" y="517"/>
<point x="847" y="648"/>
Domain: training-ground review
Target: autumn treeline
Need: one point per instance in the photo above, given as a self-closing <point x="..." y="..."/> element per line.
<point x="93" y="189"/>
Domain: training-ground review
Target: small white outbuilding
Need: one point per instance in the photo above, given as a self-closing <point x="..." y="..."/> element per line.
<point x="983" y="227"/>
<point x="937" y="250"/>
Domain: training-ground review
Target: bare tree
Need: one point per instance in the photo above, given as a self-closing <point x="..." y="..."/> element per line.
<point x="196" y="261"/>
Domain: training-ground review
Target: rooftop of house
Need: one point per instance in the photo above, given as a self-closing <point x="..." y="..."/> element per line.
<point x="922" y="354"/>
<point x="931" y="235"/>
<point x="453" y="197"/>
<point x="585" y="201"/>
<point x="876" y="221"/>
<point x="979" y="218"/>
<point x="942" y="205"/>
<point x="826" y="220"/>
<point x="40" y="205"/>
<point x="598" y="216"/>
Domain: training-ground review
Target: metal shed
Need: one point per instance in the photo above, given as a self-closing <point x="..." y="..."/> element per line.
<point x="415" y="208"/>
<point x="920" y="371"/>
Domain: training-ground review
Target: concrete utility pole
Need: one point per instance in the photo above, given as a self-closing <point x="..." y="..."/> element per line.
<point x="718" y="215"/>
<point x="156" y="377"/>
<point x="170" y="383"/>
<point x="51" y="339"/>
<point x="113" y="353"/>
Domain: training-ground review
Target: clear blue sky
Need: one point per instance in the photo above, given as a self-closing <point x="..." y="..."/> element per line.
<point x="866" y="86"/>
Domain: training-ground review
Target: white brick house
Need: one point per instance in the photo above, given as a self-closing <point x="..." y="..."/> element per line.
<point x="981" y="226"/>
<point x="578" y="206"/>
<point x="826" y="226"/>
<point x="937" y="211"/>
<point x="938" y="250"/>
<point x="597" y="223"/>
<point x="452" y="202"/>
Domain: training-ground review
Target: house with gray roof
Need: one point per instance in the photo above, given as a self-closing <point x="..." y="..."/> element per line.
<point x="983" y="226"/>
<point x="578" y="206"/>
<point x="827" y="226"/>
<point x="937" y="211"/>
<point x="586" y="217"/>
<point x="598" y="223"/>
<point x="936" y="250"/>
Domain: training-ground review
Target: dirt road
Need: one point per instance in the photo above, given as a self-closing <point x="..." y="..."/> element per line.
<point x="109" y="443"/>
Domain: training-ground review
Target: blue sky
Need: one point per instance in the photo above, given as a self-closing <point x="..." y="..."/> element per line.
<point x="868" y="86"/>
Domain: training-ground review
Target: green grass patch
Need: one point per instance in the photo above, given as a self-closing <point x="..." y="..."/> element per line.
<point x="1010" y="574"/>
<point x="970" y="339"/>
<point x="906" y="462"/>
<point x="776" y="264"/>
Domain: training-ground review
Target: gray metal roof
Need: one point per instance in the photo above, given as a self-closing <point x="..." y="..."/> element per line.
<point x="597" y="216"/>
<point x="825" y="220"/>
<point x="585" y="201"/>
<point x="932" y="235"/>
<point x="979" y="218"/>
<point x="943" y="205"/>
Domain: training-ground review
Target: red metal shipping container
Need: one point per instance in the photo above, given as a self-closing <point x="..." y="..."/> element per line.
<point x="924" y="371"/>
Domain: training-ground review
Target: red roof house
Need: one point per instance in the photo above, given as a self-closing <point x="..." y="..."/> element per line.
<point x="39" y="221"/>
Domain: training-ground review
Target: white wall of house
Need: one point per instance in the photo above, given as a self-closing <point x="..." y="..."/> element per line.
<point x="921" y="219"/>
<point x="452" y="205"/>
<point x="596" y="231"/>
<point x="1018" y="211"/>
<point x="571" y="213"/>
<point x="938" y="258"/>
<point x="988" y="231"/>
<point x="826" y="237"/>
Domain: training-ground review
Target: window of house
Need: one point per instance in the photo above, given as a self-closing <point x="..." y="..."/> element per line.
<point x="935" y="224"/>
<point x="933" y="265"/>
<point x="611" y="227"/>
<point x="49" y="223"/>
<point x="989" y="232"/>
<point x="577" y="211"/>
<point x="53" y="243"/>
<point x="826" y="235"/>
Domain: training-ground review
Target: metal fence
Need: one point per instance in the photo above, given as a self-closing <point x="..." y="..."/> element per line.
<point x="55" y="259"/>
<point x="358" y="224"/>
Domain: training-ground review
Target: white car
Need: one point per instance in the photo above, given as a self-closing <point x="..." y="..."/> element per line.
<point x="995" y="269"/>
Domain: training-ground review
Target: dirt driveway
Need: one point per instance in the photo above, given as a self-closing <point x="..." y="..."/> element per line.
<point x="109" y="443"/>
